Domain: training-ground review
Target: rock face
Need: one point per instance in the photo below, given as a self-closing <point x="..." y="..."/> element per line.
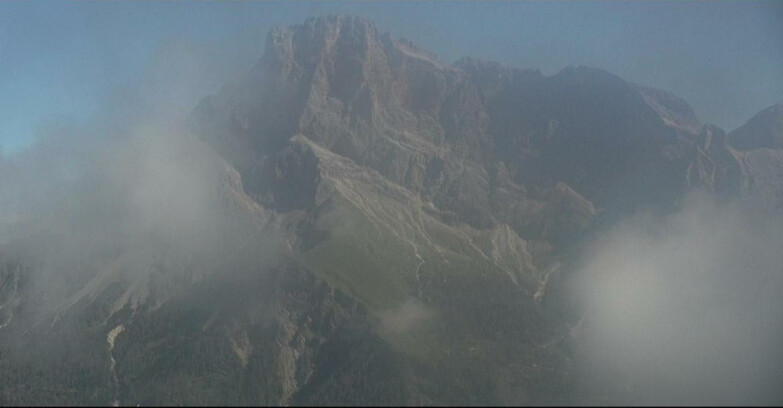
<point x="751" y="174"/>
<point x="477" y="139"/>
<point x="419" y="210"/>
<point x="765" y="130"/>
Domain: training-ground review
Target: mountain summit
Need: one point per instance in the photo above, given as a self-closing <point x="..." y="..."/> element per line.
<point x="764" y="130"/>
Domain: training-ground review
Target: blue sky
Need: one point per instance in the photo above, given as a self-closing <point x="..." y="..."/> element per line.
<point x="59" y="60"/>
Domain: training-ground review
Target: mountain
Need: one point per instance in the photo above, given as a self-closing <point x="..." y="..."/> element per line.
<point x="765" y="130"/>
<point x="394" y="108"/>
<point x="396" y="232"/>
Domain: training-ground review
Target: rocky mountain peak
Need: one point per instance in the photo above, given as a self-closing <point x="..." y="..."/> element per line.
<point x="764" y="130"/>
<point x="391" y="106"/>
<point x="318" y="38"/>
<point x="673" y="110"/>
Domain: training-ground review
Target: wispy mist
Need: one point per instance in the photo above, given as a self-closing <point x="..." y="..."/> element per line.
<point x="124" y="196"/>
<point x="685" y="309"/>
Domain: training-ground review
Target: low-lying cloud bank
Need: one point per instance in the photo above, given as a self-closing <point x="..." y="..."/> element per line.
<point x="685" y="309"/>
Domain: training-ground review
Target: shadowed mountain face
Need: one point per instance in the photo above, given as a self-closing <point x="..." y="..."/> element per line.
<point x="765" y="130"/>
<point x="421" y="219"/>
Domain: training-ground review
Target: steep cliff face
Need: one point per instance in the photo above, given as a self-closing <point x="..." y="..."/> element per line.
<point x="759" y="157"/>
<point x="751" y="172"/>
<point x="442" y="131"/>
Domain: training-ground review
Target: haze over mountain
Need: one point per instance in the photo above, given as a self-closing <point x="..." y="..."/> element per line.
<point x="355" y="221"/>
